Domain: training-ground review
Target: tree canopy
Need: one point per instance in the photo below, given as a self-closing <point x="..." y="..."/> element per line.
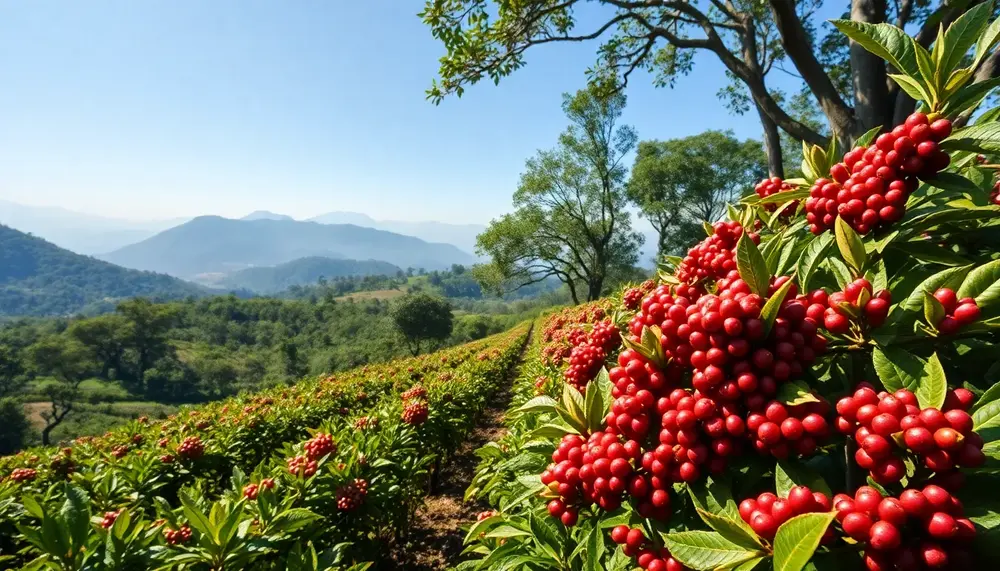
<point x="679" y="183"/>
<point x="570" y="219"/>
<point x="849" y="85"/>
<point x="420" y="318"/>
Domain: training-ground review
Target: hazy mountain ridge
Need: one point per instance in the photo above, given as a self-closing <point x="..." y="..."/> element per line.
<point x="212" y="244"/>
<point x="302" y="271"/>
<point x="40" y="278"/>
<point x="461" y="235"/>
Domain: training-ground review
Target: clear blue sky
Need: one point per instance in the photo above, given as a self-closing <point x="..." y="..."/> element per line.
<point x="162" y="108"/>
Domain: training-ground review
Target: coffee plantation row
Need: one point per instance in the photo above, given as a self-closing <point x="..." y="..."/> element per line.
<point x="814" y="385"/>
<point x="321" y="475"/>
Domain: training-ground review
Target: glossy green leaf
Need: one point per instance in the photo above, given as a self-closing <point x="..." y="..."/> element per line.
<point x="978" y="138"/>
<point x="868" y="138"/>
<point x="982" y="284"/>
<point x="962" y="34"/>
<point x="798" y="538"/>
<point x="732" y="528"/>
<point x="969" y="97"/>
<point x="884" y="40"/>
<point x="934" y="312"/>
<point x="986" y="42"/>
<point x="540" y="404"/>
<point x="951" y="278"/>
<point x="595" y="408"/>
<point x="933" y="385"/>
<point x="545" y="536"/>
<point x="769" y="312"/>
<point x="811" y="258"/>
<point x="707" y="550"/>
<point x="897" y="368"/>
<point x="788" y="474"/>
<point x="987" y="416"/>
<point x="852" y="249"/>
<point x="595" y="550"/>
<point x="794" y="393"/>
<point x="751" y="266"/>
<point x="911" y="86"/>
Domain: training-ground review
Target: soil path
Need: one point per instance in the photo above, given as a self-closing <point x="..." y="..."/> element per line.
<point x="435" y="538"/>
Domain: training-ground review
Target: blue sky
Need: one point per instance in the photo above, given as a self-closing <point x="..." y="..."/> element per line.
<point x="163" y="108"/>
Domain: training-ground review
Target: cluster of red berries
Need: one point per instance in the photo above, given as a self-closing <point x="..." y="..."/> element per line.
<point x="109" y="518"/>
<point x="634" y="544"/>
<point x="352" y="495"/>
<point x="366" y="422"/>
<point x="767" y="512"/>
<point x="416" y="392"/>
<point x="774" y="185"/>
<point x="943" y="440"/>
<point x="120" y="451"/>
<point x="958" y="312"/>
<point x="191" y="448"/>
<point x="715" y="256"/>
<point x="319" y="446"/>
<point x="857" y="301"/>
<point x="23" y="474"/>
<point x="176" y="536"/>
<point x="593" y="471"/>
<point x="632" y="298"/>
<point x="415" y="413"/>
<point x="251" y="491"/>
<point x="301" y="466"/>
<point x="722" y="337"/>
<point x="167" y="458"/>
<point x="564" y="330"/>
<point x="485" y="515"/>
<point x="920" y="529"/>
<point x="782" y="430"/>
<point x="870" y="187"/>
<point x="588" y="356"/>
<point x="995" y="194"/>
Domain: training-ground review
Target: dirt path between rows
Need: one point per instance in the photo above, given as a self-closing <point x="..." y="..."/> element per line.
<point x="435" y="539"/>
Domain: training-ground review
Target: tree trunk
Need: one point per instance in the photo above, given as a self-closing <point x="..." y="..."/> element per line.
<point x="594" y="288"/>
<point x="572" y="292"/>
<point x="772" y="144"/>
<point x="872" y="106"/>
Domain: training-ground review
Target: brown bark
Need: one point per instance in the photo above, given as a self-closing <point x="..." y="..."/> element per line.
<point x="872" y="106"/>
<point x="772" y="144"/>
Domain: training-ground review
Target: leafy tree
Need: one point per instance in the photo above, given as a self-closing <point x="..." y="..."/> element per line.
<point x="108" y="336"/>
<point x="421" y="317"/>
<point x="149" y="324"/>
<point x="679" y="183"/>
<point x="570" y="220"/>
<point x="15" y="426"/>
<point x="12" y="372"/>
<point x="488" y="38"/>
<point x="69" y="362"/>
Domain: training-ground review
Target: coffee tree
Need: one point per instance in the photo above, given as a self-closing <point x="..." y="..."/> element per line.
<point x="812" y="385"/>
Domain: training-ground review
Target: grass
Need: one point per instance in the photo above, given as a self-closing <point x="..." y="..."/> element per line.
<point x="95" y="419"/>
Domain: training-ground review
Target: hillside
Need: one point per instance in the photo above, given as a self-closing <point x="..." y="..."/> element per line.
<point x="40" y="278"/>
<point x="266" y="215"/>
<point x="461" y="235"/>
<point x="303" y="271"/>
<point x="79" y="232"/>
<point x="211" y="244"/>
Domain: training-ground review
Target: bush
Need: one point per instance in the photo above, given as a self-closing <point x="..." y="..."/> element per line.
<point x="15" y="426"/>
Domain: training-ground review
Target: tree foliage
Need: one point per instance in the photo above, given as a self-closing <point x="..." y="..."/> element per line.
<point x="570" y="219"/>
<point x="680" y="183"/>
<point x="851" y="87"/>
<point x="421" y="318"/>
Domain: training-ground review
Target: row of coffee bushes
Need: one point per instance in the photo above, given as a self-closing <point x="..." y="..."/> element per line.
<point x="320" y="475"/>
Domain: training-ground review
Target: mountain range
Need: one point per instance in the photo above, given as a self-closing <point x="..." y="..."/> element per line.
<point x="461" y="235"/>
<point x="40" y="278"/>
<point x="275" y="279"/>
<point x="211" y="245"/>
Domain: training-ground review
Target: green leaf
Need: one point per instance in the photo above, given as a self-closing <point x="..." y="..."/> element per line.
<point x="991" y="394"/>
<point x="852" y="249"/>
<point x="987" y="416"/>
<point x="934" y="312"/>
<point x="897" y="368"/>
<point x="840" y="271"/>
<point x="595" y="407"/>
<point x="595" y="550"/>
<point x="950" y="278"/>
<point x="953" y="182"/>
<point x="504" y="531"/>
<point x="751" y="265"/>
<point x="733" y="529"/>
<point x="930" y="252"/>
<point x="880" y="279"/>
<point x="986" y="42"/>
<point x="933" y="385"/>
<point x="294" y="519"/>
<point x="545" y="537"/>
<point x="194" y="515"/>
<point x="539" y="404"/>
<point x="784" y="196"/>
<point x="810" y="259"/>
<point x="969" y="97"/>
<point x="868" y="137"/>
<point x="982" y="284"/>
<point x="926" y="67"/>
<point x="770" y="310"/>
<point x="572" y="401"/>
<point x="733" y="213"/>
<point x="886" y="41"/>
<point x="984" y="138"/>
<point x="962" y="34"/>
<point x="708" y="227"/>
<point x="75" y="513"/>
<point x="798" y="538"/>
<point x="787" y="475"/>
<point x="705" y="550"/>
<point x="794" y="393"/>
<point x="911" y="86"/>
<point x="550" y="431"/>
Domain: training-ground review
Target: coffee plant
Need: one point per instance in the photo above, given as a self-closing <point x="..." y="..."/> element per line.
<point x="320" y="475"/>
<point x="812" y="385"/>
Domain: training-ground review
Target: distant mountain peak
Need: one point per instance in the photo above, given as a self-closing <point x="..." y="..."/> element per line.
<point x="266" y="215"/>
